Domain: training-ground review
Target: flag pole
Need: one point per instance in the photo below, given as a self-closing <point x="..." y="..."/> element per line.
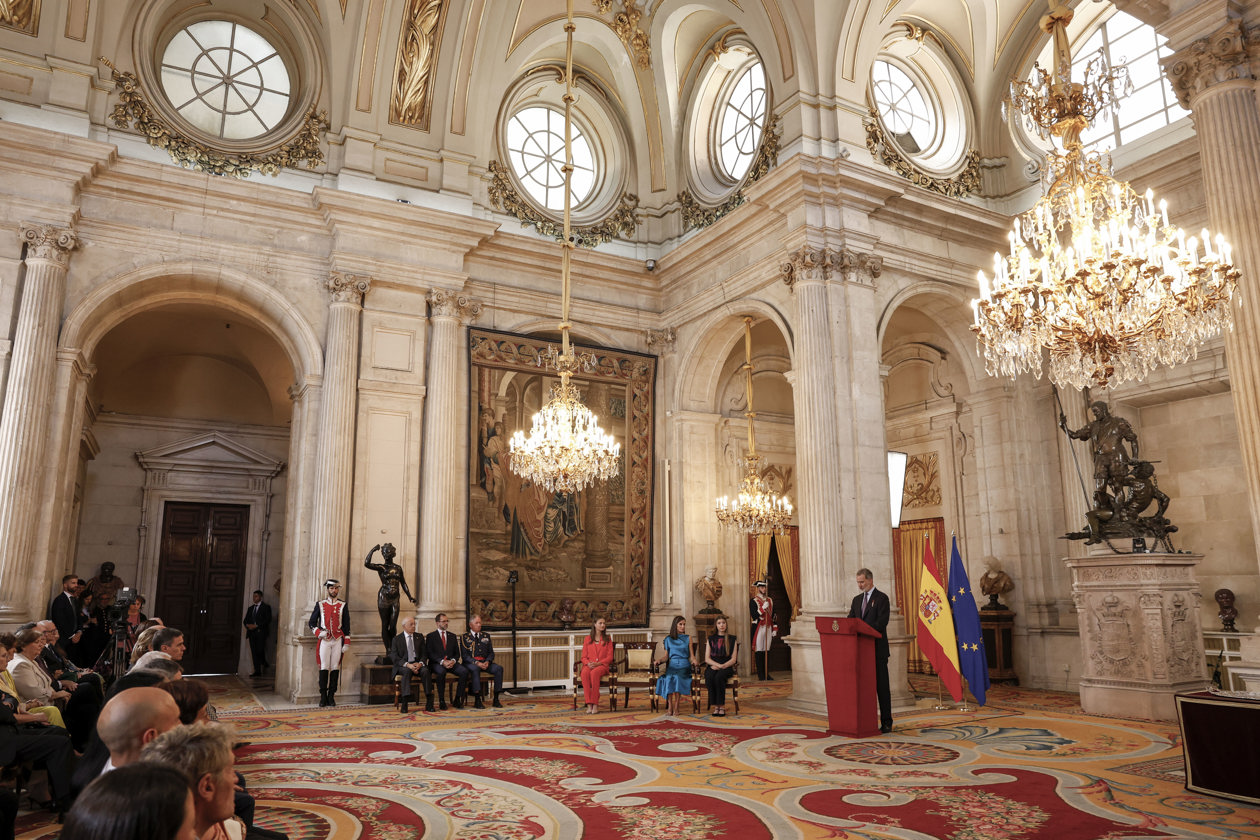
<point x="940" y="697"/>
<point x="964" y="707"/>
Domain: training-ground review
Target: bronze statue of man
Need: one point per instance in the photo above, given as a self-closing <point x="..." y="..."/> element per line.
<point x="392" y="578"/>
<point x="1107" y="436"/>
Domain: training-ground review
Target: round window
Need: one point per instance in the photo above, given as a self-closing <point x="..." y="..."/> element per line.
<point x="226" y="80"/>
<point x="903" y="108"/>
<point x="743" y="115"/>
<point x="535" y="145"/>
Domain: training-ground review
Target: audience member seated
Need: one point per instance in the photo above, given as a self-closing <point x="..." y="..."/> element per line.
<point x="169" y="641"/>
<point x="477" y="650"/>
<point x="193" y="699"/>
<point x="444" y="656"/>
<point x="203" y="753"/>
<point x="58" y="665"/>
<point x="131" y="719"/>
<point x="721" y="658"/>
<point x="158" y="663"/>
<point x="144" y="640"/>
<point x="23" y="711"/>
<point x="47" y="747"/>
<point x="409" y="654"/>
<point x="33" y="685"/>
<point x="141" y="802"/>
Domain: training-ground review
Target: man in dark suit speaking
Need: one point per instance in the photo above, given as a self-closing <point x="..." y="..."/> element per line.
<point x="872" y="606"/>
<point x="257" y="627"/>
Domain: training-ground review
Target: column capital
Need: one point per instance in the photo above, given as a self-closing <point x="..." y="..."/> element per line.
<point x="78" y="363"/>
<point x="857" y="267"/>
<point x="662" y="341"/>
<point x="806" y="265"/>
<point x="49" y="242"/>
<point x="348" y="288"/>
<point x="1223" y="56"/>
<point x="444" y="303"/>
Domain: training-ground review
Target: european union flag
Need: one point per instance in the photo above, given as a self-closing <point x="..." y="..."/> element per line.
<point x="971" y="659"/>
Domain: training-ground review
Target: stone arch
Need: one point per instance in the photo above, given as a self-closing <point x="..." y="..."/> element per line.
<point x="713" y="338"/>
<point x="145" y="287"/>
<point x="949" y="308"/>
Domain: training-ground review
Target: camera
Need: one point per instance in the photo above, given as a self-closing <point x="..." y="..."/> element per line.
<point x="116" y="613"/>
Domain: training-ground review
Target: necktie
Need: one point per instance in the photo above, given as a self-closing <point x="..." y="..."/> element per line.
<point x="411" y="650"/>
<point x="443" y="634"/>
<point x="866" y="601"/>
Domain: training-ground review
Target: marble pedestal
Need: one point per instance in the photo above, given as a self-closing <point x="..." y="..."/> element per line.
<point x="1141" y="638"/>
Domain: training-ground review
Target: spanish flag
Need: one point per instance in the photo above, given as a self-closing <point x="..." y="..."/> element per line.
<point x="936" y="626"/>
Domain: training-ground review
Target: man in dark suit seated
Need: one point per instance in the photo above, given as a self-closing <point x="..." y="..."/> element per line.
<point x="409" y="653"/>
<point x="444" y="656"/>
<point x="45" y="746"/>
<point x="58" y="666"/>
<point x="872" y="606"/>
<point x="478" y="655"/>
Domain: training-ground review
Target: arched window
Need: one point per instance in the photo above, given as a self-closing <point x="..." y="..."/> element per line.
<point x="902" y="107"/>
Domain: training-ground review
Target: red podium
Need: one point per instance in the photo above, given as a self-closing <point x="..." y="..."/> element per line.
<point x="848" y="655"/>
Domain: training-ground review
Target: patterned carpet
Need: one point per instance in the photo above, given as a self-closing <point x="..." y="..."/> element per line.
<point x="1029" y="766"/>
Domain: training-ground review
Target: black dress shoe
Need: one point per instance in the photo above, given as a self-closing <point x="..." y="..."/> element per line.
<point x="428" y="706"/>
<point x="884" y="730"/>
<point x="458" y="702"/>
<point x="403" y="709"/>
<point x="442" y="705"/>
<point x="497" y="704"/>
<point x="478" y="704"/>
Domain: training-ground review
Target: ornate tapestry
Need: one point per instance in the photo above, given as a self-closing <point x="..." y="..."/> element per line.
<point x="577" y="555"/>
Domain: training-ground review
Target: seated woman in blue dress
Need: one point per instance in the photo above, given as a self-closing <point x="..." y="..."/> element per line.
<point x="678" y="660"/>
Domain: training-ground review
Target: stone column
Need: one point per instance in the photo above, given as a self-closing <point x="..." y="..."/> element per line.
<point x="441" y="484"/>
<point x="818" y="475"/>
<point x="25" y="419"/>
<point x="334" y="451"/>
<point x="1213" y="77"/>
<point x="818" y="467"/>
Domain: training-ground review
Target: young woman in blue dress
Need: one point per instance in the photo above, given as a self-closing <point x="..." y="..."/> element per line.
<point x="677" y="660"/>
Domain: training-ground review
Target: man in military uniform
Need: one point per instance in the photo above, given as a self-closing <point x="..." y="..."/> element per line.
<point x="331" y="622"/>
<point x="478" y="654"/>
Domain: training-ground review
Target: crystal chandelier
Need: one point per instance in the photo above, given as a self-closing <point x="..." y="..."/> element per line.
<point x="566" y="449"/>
<point x="755" y="510"/>
<point x="1096" y="276"/>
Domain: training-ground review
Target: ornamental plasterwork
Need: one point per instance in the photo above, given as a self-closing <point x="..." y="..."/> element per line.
<point x="348" y="288"/>
<point x="1223" y="56"/>
<point x="817" y="264"/>
<point x="133" y="110"/>
<point x="696" y="215"/>
<point x="47" y="242"/>
<point x="411" y="101"/>
<point x="662" y="341"/>
<point x="448" y="304"/>
<point x="964" y="183"/>
<point x="622" y="222"/>
<point x="626" y="25"/>
<point x="21" y="15"/>
<point x="923" y="481"/>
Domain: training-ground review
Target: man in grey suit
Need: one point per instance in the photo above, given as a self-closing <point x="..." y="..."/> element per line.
<point x="410" y="658"/>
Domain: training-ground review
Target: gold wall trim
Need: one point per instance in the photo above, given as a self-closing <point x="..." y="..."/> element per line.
<point x="696" y="215"/>
<point x="20" y="15"/>
<point x="621" y="222"/>
<point x="411" y="100"/>
<point x="133" y="111"/>
<point x="964" y="183"/>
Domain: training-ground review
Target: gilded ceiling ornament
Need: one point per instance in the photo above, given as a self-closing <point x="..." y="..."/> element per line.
<point x="626" y="24"/>
<point x="622" y="222"/>
<point x="133" y="110"/>
<point x="697" y="215"/>
<point x="964" y="183"/>
<point x="412" y="99"/>
<point x="22" y="15"/>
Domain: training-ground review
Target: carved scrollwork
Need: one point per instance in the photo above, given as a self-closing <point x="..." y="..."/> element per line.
<point x="696" y="215"/>
<point x="22" y="15"/>
<point x="448" y="304"/>
<point x="626" y="24"/>
<point x="134" y="111"/>
<point x="348" y="288"/>
<point x="964" y="183"/>
<point x="412" y="98"/>
<point x="47" y="242"/>
<point x="1221" y="57"/>
<point x="621" y="222"/>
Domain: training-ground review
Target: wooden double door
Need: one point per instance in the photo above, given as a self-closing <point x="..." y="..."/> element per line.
<point x="201" y="582"/>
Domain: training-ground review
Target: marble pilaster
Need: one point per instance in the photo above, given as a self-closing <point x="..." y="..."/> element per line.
<point x="441" y="494"/>
<point x="25" y="418"/>
<point x="334" y="451"/>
